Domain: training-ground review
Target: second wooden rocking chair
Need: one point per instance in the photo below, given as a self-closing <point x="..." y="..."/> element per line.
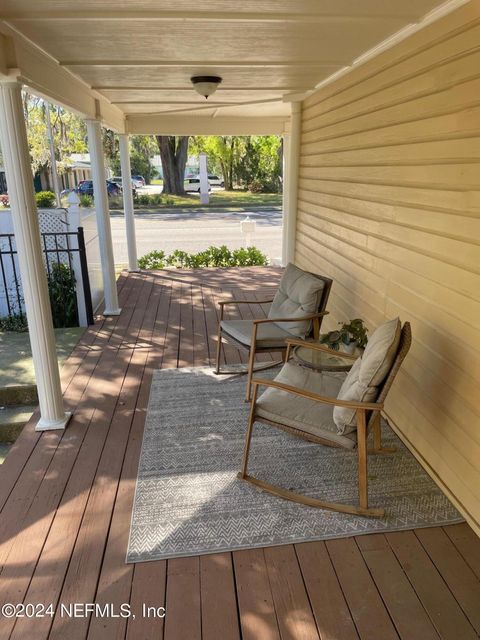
<point x="299" y="402"/>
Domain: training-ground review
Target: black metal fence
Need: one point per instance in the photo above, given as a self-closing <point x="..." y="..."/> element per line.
<point x="65" y="263"/>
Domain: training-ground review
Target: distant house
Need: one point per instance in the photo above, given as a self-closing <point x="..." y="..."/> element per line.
<point x="192" y="167"/>
<point x="77" y="168"/>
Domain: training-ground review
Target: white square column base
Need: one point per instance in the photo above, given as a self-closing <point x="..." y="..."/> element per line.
<point x="51" y="425"/>
<point x="112" y="312"/>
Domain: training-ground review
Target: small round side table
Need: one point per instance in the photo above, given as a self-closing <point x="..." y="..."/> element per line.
<point x="321" y="360"/>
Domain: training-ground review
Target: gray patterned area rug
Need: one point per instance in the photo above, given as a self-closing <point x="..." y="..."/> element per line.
<point x="188" y="500"/>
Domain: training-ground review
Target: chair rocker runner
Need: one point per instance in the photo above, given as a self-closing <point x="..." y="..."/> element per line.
<point x="320" y="408"/>
<point x="296" y="311"/>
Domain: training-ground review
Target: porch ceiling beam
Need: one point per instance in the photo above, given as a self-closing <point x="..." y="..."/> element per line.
<point x="208" y="107"/>
<point x="203" y="105"/>
<point x="188" y="89"/>
<point x="262" y="64"/>
<point x="186" y="102"/>
<point x="196" y="16"/>
<point x="220" y="125"/>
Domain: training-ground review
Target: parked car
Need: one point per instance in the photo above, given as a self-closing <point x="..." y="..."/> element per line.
<point x="118" y="180"/>
<point x="138" y="181"/>
<point x="113" y="188"/>
<point x="216" y="181"/>
<point x="85" y="188"/>
<point x="193" y="185"/>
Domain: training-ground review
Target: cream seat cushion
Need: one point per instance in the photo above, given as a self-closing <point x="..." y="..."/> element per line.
<point x="299" y="294"/>
<point x="368" y="373"/>
<point x="301" y="413"/>
<point x="269" y="335"/>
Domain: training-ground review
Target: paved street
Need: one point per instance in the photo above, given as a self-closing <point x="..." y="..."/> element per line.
<point x="194" y="231"/>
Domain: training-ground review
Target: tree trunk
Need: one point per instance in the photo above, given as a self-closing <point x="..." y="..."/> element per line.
<point x="227" y="175"/>
<point x="174" y="153"/>
<point x="232" y="161"/>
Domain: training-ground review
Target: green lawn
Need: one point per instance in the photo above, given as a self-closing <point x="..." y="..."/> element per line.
<point x="245" y="197"/>
<point x="219" y="199"/>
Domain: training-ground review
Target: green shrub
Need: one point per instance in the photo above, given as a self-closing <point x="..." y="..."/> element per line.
<point x="249" y="257"/>
<point x="156" y="199"/>
<point x="17" y="323"/>
<point x="212" y="257"/>
<point x="63" y="297"/>
<point x="264" y="186"/>
<point x="86" y="201"/>
<point x="143" y="200"/>
<point x="220" y="257"/>
<point x="179" y="259"/>
<point x="115" y="202"/>
<point x="45" y="199"/>
<point x="152" y="260"/>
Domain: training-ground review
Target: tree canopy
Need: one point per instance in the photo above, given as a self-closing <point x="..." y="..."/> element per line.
<point x="142" y="148"/>
<point x="223" y="153"/>
<point x="251" y="162"/>
<point x="69" y="133"/>
<point x="254" y="162"/>
<point x="260" y="167"/>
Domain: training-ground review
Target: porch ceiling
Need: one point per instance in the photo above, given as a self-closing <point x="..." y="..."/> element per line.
<point x="136" y="60"/>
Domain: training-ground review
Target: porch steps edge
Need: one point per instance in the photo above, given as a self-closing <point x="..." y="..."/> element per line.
<point x="12" y="421"/>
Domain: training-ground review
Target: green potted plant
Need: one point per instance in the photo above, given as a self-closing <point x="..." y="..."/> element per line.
<point x="350" y="337"/>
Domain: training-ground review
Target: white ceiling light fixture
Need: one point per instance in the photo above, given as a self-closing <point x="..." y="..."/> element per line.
<point x="205" y="85"/>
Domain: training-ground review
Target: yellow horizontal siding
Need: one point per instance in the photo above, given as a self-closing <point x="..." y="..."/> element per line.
<point x="389" y="207"/>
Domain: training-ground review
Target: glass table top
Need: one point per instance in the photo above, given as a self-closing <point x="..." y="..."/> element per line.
<point x="321" y="360"/>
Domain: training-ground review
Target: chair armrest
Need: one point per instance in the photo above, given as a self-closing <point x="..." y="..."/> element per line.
<point x="312" y="316"/>
<point x="316" y="346"/>
<point x="223" y="303"/>
<point x="350" y="404"/>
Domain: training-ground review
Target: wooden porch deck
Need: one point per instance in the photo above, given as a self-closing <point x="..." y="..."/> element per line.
<point x="66" y="500"/>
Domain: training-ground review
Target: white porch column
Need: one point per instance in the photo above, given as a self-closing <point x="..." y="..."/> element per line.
<point x="13" y="137"/>
<point x="285" y="205"/>
<point x="128" y="202"/>
<point x="291" y="183"/>
<point x="103" y="217"/>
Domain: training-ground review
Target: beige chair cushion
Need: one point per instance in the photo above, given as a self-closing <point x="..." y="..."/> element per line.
<point x="269" y="335"/>
<point x="299" y="294"/>
<point x="368" y="373"/>
<point x="380" y="352"/>
<point x="306" y="415"/>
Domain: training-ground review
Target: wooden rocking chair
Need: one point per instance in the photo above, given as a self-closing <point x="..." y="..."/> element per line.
<point x="297" y="311"/>
<point x="355" y="407"/>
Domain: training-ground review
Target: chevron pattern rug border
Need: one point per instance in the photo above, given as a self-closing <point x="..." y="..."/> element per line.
<point x="188" y="500"/>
